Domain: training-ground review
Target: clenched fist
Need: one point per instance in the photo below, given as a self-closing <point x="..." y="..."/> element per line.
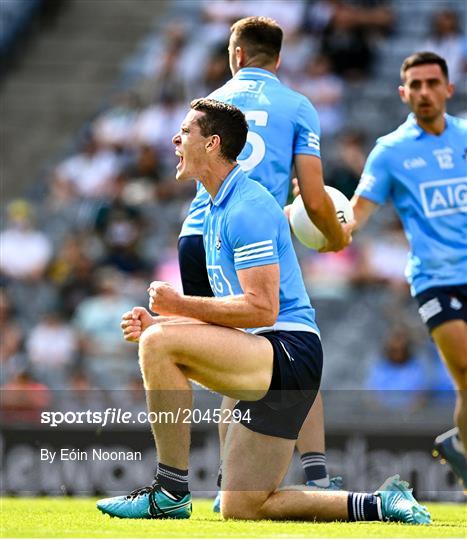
<point x="163" y="298"/>
<point x="135" y="322"/>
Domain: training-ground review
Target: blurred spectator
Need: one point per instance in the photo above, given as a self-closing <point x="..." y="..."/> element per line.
<point x="52" y="346"/>
<point x="329" y="275"/>
<point x="114" y="127"/>
<point x="23" y="399"/>
<point x="119" y="223"/>
<point x="325" y="90"/>
<point x="447" y="39"/>
<point x="167" y="82"/>
<point x="157" y="124"/>
<point x="399" y="378"/>
<point x="146" y="165"/>
<point x="297" y="48"/>
<point x="71" y="272"/>
<point x="225" y="12"/>
<point x="25" y="250"/>
<point x="121" y="240"/>
<point x="92" y="172"/>
<point x="61" y="212"/>
<point x="81" y="395"/>
<point x="142" y="182"/>
<point x="120" y="226"/>
<point x="215" y="73"/>
<point x="12" y="359"/>
<point x="165" y="67"/>
<point x="384" y="258"/>
<point x="346" y="170"/>
<point x="108" y="361"/>
<point x="347" y="32"/>
<point x="289" y="15"/>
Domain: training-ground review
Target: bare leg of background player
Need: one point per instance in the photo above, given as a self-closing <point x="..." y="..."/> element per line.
<point x="310" y="439"/>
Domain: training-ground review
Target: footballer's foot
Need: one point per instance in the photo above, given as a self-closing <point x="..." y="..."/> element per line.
<point x="151" y="502"/>
<point x="335" y="484"/>
<point x="216" y="505"/>
<point x="448" y="447"/>
<point x="398" y="503"/>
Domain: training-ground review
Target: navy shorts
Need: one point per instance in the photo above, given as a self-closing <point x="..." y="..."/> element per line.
<point x="192" y="261"/>
<point x="438" y="305"/>
<point x="296" y="376"/>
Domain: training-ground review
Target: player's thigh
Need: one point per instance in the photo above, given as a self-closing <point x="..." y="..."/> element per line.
<point x="311" y="436"/>
<point x="226" y="360"/>
<point x="451" y="340"/>
<point x="254" y="465"/>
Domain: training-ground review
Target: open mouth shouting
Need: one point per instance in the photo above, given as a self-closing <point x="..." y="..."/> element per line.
<point x="179" y="155"/>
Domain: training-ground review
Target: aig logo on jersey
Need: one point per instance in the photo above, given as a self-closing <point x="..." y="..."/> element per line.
<point x="444" y="197"/>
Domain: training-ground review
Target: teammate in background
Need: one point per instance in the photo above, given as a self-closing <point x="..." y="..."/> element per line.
<point x="421" y="167"/>
<point x="283" y="132"/>
<point x="276" y="369"/>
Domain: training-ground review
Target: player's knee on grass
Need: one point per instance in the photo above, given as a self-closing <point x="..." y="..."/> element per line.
<point x="242" y="504"/>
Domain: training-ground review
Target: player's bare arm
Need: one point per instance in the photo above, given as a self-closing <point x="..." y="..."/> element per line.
<point x="258" y="305"/>
<point x="363" y="208"/>
<point x="318" y="203"/>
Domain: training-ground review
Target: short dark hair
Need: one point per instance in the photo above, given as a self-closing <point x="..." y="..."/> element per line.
<point x="224" y="120"/>
<point x="260" y="36"/>
<point x="422" y="58"/>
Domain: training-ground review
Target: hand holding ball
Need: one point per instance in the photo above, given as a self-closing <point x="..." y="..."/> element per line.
<point x="305" y="230"/>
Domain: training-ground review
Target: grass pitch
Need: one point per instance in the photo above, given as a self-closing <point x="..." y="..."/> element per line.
<point x="78" y="518"/>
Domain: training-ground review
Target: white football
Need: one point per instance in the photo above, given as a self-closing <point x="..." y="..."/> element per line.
<point x="305" y="230"/>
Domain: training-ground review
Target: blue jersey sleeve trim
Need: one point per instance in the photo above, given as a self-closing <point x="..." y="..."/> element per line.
<point x="307" y="130"/>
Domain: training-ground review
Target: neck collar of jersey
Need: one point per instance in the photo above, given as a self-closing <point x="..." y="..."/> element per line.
<point x="417" y="131"/>
<point x="255" y="73"/>
<point x="227" y="185"/>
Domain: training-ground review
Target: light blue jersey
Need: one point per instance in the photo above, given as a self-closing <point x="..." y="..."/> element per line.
<point x="245" y="228"/>
<point x="282" y="123"/>
<point x="425" y="176"/>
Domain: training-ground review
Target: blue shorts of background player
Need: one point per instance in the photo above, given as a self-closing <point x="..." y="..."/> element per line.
<point x="438" y="305"/>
